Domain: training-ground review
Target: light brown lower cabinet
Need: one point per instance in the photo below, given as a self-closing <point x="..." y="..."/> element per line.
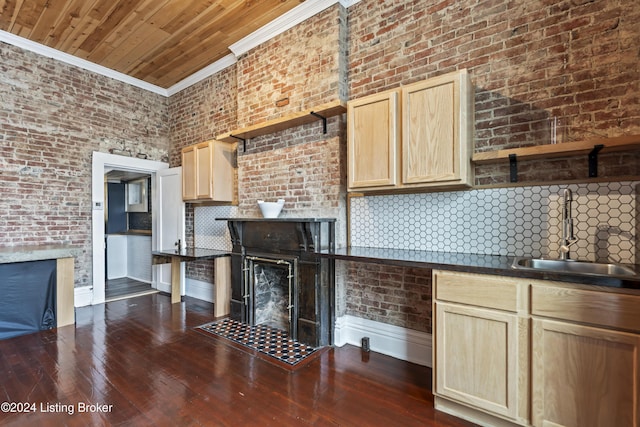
<point x="584" y="376"/>
<point x="510" y="351"/>
<point x="477" y="357"/>
<point x="585" y="356"/>
<point x="481" y="336"/>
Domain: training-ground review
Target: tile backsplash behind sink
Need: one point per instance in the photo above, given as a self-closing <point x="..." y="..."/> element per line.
<point x="515" y="221"/>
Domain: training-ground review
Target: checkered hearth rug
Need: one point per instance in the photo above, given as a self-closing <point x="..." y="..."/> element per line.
<point x="262" y="340"/>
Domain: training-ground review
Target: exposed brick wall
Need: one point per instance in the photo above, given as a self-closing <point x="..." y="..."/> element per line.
<point x="202" y="111"/>
<point x="305" y="64"/>
<point x="399" y="296"/>
<point x="530" y="61"/>
<point x="52" y="117"/>
<point x="307" y="168"/>
<point x="306" y="171"/>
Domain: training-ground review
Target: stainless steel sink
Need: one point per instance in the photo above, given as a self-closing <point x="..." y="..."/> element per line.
<point x="571" y="266"/>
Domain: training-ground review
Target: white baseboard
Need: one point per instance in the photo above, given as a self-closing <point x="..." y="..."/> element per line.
<point x="162" y="287"/>
<point x="201" y="290"/>
<point x="401" y="343"/>
<point x="82" y="296"/>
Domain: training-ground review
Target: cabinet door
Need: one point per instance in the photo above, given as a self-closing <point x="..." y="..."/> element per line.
<point x="204" y="183"/>
<point x="430" y="145"/>
<point x="189" y="173"/>
<point x="209" y="172"/>
<point x="222" y="171"/>
<point x="476" y="357"/>
<point x="373" y="137"/>
<point x="584" y="376"/>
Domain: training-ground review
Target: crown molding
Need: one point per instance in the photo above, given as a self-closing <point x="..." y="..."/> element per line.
<point x="281" y="24"/>
<point x="207" y="71"/>
<point x="348" y="3"/>
<point x="52" y="53"/>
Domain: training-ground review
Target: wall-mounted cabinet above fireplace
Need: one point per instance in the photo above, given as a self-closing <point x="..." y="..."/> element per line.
<point x="209" y="172"/>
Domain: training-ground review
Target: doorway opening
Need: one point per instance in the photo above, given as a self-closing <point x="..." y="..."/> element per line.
<point x="129" y="169"/>
<point x="128" y="216"/>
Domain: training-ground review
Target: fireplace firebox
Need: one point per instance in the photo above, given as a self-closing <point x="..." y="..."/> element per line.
<point x="278" y="277"/>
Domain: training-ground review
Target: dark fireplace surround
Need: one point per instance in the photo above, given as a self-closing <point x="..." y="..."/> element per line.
<point x="278" y="277"/>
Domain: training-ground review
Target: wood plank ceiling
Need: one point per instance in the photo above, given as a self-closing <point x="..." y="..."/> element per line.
<point x="157" y="41"/>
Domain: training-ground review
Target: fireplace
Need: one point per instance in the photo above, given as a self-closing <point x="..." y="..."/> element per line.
<point x="279" y="279"/>
<point x="273" y="285"/>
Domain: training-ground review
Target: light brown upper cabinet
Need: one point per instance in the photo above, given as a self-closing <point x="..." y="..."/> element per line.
<point x="416" y="136"/>
<point x="373" y="134"/>
<point x="208" y="172"/>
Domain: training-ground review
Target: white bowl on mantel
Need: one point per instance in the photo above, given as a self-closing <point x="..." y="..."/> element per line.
<point x="270" y="209"/>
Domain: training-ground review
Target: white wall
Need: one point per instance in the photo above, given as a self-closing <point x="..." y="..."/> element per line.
<point x="139" y="258"/>
<point x="129" y="256"/>
<point x="116" y="256"/>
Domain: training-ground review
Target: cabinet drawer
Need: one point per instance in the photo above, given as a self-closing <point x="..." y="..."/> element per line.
<point x="500" y="293"/>
<point x="586" y="306"/>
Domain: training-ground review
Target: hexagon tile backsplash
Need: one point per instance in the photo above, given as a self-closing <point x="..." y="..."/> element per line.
<point x="515" y="221"/>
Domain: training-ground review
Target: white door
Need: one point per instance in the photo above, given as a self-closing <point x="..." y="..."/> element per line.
<point x="170" y="223"/>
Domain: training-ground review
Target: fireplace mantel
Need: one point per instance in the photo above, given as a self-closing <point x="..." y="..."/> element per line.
<point x="295" y="243"/>
<point x="259" y="219"/>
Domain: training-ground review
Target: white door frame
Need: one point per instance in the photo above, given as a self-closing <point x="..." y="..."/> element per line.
<point x="100" y="162"/>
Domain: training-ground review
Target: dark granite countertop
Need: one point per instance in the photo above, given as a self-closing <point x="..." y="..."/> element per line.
<point x="260" y="219"/>
<point x="471" y="263"/>
<point x="192" y="254"/>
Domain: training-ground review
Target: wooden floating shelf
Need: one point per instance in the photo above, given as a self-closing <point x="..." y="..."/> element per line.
<point x="286" y="122"/>
<point x="619" y="143"/>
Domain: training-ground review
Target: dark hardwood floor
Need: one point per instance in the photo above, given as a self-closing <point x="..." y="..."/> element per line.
<point x="142" y="361"/>
<point x="125" y="287"/>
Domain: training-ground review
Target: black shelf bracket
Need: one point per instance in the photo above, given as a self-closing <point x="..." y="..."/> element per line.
<point x="593" y="160"/>
<point x="244" y="142"/>
<point x="324" y="120"/>
<point x="513" y="168"/>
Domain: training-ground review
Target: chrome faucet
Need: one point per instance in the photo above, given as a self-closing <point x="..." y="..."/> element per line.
<point x="568" y="237"/>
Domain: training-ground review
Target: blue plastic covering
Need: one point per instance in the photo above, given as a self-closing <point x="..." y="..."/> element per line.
<point x="28" y="297"/>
